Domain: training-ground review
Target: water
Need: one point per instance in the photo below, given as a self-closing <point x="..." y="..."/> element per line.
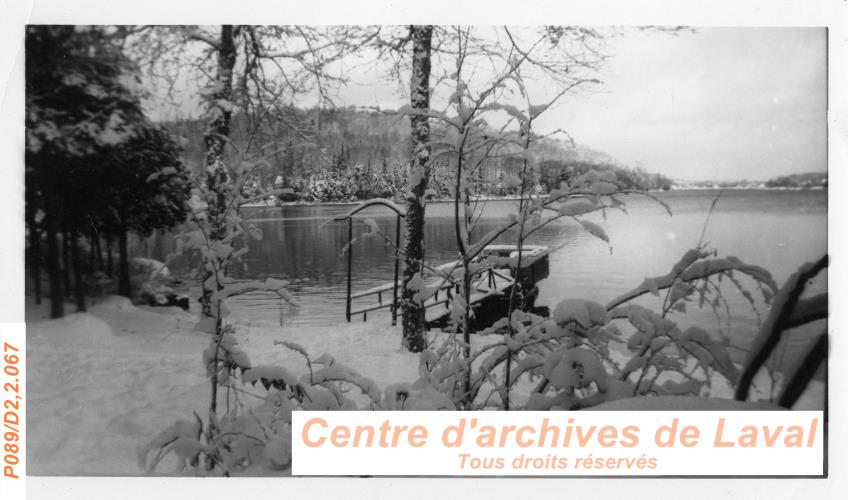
<point x="778" y="230"/>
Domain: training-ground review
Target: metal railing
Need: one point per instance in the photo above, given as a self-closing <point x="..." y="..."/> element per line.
<point x="442" y="296"/>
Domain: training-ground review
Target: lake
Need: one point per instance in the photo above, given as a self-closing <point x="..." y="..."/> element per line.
<point x="778" y="230"/>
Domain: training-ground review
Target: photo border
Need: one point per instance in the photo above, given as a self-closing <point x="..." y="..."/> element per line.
<point x="828" y="13"/>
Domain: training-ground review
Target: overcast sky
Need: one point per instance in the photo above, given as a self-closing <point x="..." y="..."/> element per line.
<point x="713" y="104"/>
<point x="719" y="103"/>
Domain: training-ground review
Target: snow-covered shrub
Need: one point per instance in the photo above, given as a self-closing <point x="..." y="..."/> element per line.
<point x="586" y="353"/>
<point x="221" y="236"/>
<point x="589" y="193"/>
<point x="237" y="437"/>
<point x="330" y="185"/>
<point x="256" y="438"/>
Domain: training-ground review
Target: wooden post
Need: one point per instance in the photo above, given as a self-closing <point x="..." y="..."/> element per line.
<point x="349" y="264"/>
<point x="397" y="272"/>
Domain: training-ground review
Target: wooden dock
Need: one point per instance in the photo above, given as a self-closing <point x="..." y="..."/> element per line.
<point x="491" y="284"/>
<point x="495" y="273"/>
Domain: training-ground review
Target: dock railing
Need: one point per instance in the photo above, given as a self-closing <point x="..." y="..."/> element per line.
<point x="395" y="284"/>
<point x="486" y="281"/>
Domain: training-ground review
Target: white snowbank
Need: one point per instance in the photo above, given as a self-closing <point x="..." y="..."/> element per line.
<point x="104" y="382"/>
<point x="98" y="386"/>
<point x="152" y="267"/>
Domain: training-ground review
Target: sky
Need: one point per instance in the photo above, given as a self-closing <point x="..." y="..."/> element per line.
<point x="718" y="104"/>
<point x="713" y="104"/>
<point x="704" y="104"/>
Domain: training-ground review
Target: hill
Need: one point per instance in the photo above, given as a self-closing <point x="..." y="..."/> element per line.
<point x="344" y="153"/>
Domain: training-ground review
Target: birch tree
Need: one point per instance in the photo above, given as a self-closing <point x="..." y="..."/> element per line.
<point x="414" y="334"/>
<point x="446" y="48"/>
<point x="483" y="76"/>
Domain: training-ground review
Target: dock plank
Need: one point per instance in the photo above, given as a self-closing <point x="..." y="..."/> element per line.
<point x="436" y="306"/>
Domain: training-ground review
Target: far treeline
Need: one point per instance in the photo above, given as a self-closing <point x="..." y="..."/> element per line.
<point x="806" y="180"/>
<point x="356" y="154"/>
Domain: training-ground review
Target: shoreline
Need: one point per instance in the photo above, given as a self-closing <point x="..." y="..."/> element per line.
<point x="302" y="203"/>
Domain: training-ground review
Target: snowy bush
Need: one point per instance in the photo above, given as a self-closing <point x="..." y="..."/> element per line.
<point x="586" y="353"/>
<point x="256" y="438"/>
<point x="237" y="437"/>
<point x="221" y="236"/>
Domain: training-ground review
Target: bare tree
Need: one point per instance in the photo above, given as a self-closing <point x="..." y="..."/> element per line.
<point x="414" y="334"/>
<point x="255" y="69"/>
<point x="218" y="188"/>
<point x="484" y="76"/>
<point x="256" y="72"/>
<point x="435" y="56"/>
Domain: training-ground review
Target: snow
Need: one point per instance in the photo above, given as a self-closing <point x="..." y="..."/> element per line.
<point x="561" y="368"/>
<point x="681" y="403"/>
<point x="154" y="268"/>
<point x="101" y="384"/>
<point x="584" y="312"/>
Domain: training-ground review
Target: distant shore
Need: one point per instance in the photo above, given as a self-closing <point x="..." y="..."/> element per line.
<point x="300" y="203"/>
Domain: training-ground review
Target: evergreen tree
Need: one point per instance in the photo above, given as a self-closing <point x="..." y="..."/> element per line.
<point x="148" y="187"/>
<point x="77" y="106"/>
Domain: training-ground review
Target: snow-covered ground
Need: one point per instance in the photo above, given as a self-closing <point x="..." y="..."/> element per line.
<point x="102" y="383"/>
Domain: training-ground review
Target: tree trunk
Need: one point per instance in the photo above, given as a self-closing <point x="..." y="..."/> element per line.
<point x="99" y="244"/>
<point x="123" y="263"/>
<point x="96" y="251"/>
<point x="215" y="138"/>
<point x="34" y="252"/>
<point x="54" y="270"/>
<point x="414" y="334"/>
<point x="66" y="262"/>
<point x="218" y="193"/>
<point x="91" y="245"/>
<point x="109" y="262"/>
<point x="79" y="286"/>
